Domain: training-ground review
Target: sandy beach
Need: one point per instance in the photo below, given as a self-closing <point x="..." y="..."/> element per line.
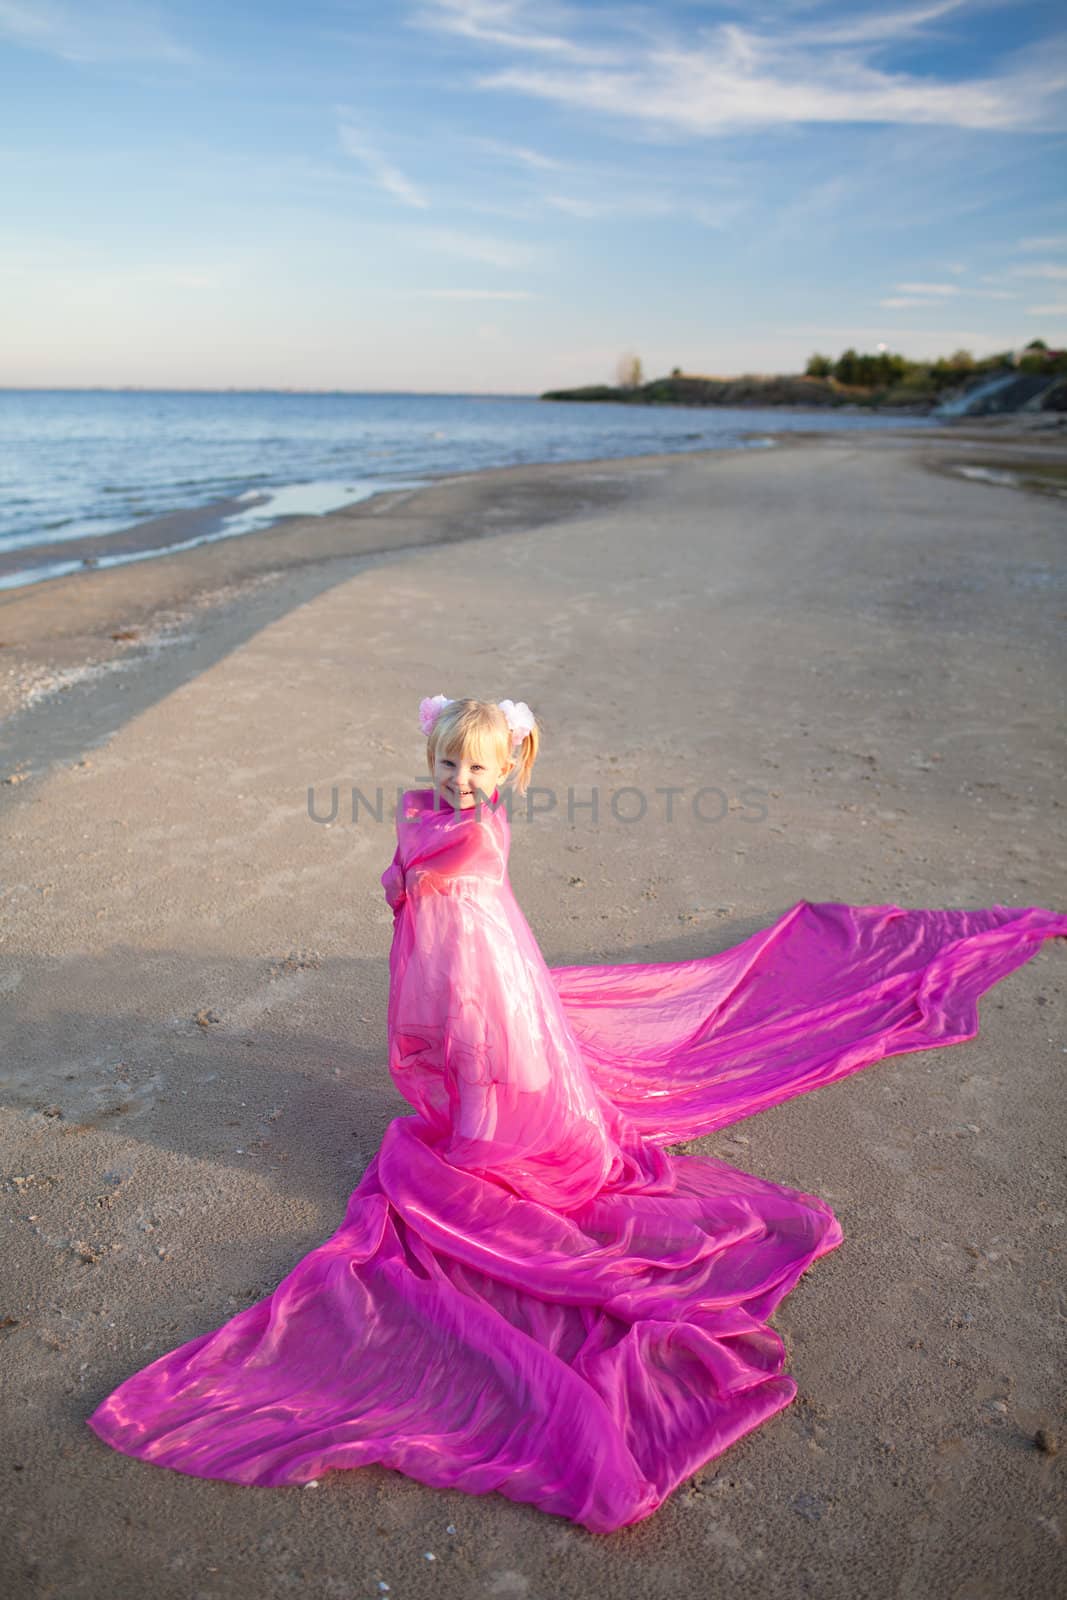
<point x="858" y="651"/>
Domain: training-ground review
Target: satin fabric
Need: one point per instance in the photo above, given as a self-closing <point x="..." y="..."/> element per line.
<point x="528" y="1292"/>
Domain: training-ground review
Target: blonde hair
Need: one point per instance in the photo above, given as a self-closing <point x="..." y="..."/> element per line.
<point x="479" y="727"/>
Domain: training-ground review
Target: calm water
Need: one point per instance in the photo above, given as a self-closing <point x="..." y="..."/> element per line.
<point x="76" y="465"/>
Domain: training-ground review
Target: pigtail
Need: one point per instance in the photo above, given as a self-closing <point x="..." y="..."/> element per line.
<point x="524" y="755"/>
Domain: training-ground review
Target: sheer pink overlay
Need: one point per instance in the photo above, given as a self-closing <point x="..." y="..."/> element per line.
<point x="528" y="1293"/>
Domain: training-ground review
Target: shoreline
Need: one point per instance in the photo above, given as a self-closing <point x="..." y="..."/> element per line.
<point x="175" y="532"/>
<point x="81" y="629"/>
<point x="168" y="527"/>
<point x="60" y="632"/>
<point x="185" y="527"/>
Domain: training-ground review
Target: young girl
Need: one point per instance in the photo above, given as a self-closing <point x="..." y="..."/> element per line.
<point x="478" y="1038"/>
<point x="528" y="1292"/>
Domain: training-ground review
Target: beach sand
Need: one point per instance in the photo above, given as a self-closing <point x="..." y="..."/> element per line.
<point x="857" y="655"/>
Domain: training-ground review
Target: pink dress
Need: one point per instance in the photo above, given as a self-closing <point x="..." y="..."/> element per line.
<point x="528" y="1293"/>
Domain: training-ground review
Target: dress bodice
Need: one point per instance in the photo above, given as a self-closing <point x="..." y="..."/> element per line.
<point x="478" y="1039"/>
<point x="447" y="851"/>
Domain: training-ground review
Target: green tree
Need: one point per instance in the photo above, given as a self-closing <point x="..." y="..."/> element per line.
<point x="846" y="367"/>
<point x="1037" y="357"/>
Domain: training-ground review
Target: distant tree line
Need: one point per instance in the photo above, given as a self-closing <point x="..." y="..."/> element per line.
<point x="885" y="369"/>
<point x="856" y="378"/>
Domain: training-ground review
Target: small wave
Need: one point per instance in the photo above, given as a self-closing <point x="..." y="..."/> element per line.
<point x="295" y="499"/>
<point x="989" y="475"/>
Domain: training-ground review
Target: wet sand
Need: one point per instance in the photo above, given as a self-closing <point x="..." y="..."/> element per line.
<point x="840" y="633"/>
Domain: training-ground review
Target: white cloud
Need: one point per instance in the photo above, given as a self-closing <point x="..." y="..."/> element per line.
<point x="877" y="28"/>
<point x="1040" y="269"/>
<point x="1048" y="241"/>
<point x="1055" y="308"/>
<point x="504" y="22"/>
<point x="932" y="294"/>
<point x="387" y="177"/>
<point x="474" y="247"/>
<point x="731" y="76"/>
<point x="518" y="153"/>
<point x="628" y="205"/>
<point x="473" y="294"/>
<point x="589" y="210"/>
<point x="928" y="288"/>
<point x="867" y="336"/>
<point x="703" y="94"/>
<point x="115" y="30"/>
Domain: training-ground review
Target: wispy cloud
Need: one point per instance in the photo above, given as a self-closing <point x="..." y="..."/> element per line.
<point x="1055" y="308"/>
<point x="1047" y="241"/>
<point x="938" y="294"/>
<point x="1039" y="269"/>
<point x="473" y="294"/>
<point x="493" y="252"/>
<point x="868" y="334"/>
<point x="506" y="22"/>
<point x="705" y="95"/>
<point x="518" y="154"/>
<point x="731" y="77"/>
<point x="626" y="206"/>
<point x="117" y="30"/>
<point x="385" y="175"/>
<point x="599" y="192"/>
<point x="877" y="29"/>
<point x="928" y="288"/>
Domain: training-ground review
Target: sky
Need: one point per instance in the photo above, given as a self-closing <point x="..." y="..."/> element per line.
<point x="505" y="196"/>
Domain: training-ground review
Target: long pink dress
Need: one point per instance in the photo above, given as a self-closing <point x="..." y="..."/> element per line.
<point x="528" y="1294"/>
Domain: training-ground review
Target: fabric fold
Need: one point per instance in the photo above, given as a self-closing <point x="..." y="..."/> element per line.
<point x="528" y="1293"/>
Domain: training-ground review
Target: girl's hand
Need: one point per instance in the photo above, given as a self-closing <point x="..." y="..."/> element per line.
<point x="393" y="884"/>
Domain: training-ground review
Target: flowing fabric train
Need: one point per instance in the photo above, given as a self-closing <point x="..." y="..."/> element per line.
<point x="582" y="1315"/>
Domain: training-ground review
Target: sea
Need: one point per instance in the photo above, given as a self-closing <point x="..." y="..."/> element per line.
<point x="95" y="465"/>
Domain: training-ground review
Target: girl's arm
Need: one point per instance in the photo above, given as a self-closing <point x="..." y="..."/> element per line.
<point x="393" y="882"/>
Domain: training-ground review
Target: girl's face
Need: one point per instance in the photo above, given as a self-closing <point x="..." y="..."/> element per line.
<point x="466" y="778"/>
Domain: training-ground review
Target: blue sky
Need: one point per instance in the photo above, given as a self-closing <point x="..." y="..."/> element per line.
<point x="499" y="196"/>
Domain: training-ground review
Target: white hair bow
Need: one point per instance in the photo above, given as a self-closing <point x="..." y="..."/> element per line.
<point x="520" y="718"/>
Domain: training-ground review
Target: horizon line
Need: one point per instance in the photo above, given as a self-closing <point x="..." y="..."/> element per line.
<point x="153" y="388"/>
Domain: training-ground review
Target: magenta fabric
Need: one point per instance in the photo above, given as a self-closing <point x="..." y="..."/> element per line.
<point x="528" y="1292"/>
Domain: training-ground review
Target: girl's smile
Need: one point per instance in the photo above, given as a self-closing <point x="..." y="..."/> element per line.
<point x="464" y="781"/>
